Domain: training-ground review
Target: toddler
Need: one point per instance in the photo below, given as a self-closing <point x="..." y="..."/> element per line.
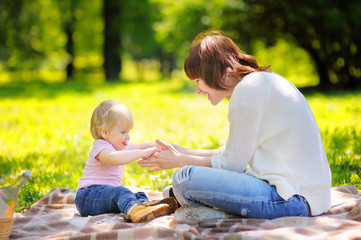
<point x="99" y="189"/>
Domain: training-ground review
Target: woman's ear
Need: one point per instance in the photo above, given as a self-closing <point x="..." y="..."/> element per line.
<point x="230" y="80"/>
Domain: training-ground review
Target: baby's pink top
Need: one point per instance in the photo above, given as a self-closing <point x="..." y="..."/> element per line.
<point x="99" y="173"/>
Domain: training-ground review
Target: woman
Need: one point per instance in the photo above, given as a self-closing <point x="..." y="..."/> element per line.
<point x="274" y="163"/>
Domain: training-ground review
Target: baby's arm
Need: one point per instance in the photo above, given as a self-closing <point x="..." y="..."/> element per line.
<point x="144" y="145"/>
<point x="123" y="157"/>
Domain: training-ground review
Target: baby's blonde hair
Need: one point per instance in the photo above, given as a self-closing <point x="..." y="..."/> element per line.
<point x="106" y="115"/>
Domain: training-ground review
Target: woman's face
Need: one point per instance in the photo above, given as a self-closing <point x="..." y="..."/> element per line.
<point x="214" y="95"/>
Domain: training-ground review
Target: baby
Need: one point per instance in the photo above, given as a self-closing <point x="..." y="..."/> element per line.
<point x="99" y="190"/>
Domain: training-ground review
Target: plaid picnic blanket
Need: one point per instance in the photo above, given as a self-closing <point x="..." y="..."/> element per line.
<point x="55" y="217"/>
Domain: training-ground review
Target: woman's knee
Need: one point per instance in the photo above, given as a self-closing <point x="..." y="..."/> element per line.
<point x="182" y="175"/>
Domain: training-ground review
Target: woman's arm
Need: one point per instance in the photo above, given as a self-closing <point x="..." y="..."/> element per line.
<point x="196" y="152"/>
<point x="125" y="156"/>
<point x="171" y="157"/>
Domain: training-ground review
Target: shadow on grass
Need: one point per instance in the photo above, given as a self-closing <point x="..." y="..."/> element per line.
<point x="311" y="91"/>
<point x="40" y="89"/>
<point x="189" y="87"/>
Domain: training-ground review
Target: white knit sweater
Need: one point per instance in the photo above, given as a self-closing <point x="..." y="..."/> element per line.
<point x="273" y="131"/>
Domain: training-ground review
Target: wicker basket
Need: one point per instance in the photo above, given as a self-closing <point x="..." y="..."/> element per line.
<point x="5" y="227"/>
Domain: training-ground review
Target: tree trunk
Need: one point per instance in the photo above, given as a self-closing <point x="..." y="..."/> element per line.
<point x="112" y="42"/>
<point x="323" y="74"/>
<point x="70" y="49"/>
<point x="321" y="68"/>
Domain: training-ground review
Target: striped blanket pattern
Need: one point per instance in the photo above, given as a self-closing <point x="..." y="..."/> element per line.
<point x="55" y="217"/>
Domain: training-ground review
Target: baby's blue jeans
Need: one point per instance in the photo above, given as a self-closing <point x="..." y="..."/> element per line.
<point x="99" y="199"/>
<point x="236" y="193"/>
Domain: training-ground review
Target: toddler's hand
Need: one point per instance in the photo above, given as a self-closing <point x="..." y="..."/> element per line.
<point x="148" y="152"/>
<point x="159" y="148"/>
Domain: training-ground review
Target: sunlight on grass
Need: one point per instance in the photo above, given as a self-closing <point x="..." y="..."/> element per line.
<point x="338" y="116"/>
<point x="44" y="127"/>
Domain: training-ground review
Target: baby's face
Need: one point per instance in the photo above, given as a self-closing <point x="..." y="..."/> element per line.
<point x="118" y="136"/>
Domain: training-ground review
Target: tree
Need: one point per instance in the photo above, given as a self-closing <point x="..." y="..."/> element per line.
<point x="128" y="27"/>
<point x="112" y="10"/>
<point x="29" y="40"/>
<point x="138" y="34"/>
<point x="21" y="34"/>
<point x="177" y="24"/>
<point x="325" y="29"/>
<point x="67" y="8"/>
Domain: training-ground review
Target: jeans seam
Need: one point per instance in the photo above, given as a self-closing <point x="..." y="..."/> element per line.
<point x="307" y="205"/>
<point x="78" y="200"/>
<point x="244" y="200"/>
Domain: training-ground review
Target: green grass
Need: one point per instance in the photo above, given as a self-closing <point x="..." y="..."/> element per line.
<point x="44" y="127"/>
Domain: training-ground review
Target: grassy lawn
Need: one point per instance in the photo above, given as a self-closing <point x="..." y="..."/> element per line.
<point x="45" y="128"/>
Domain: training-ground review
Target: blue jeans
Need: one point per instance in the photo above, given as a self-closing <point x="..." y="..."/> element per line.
<point x="236" y="193"/>
<point x="99" y="199"/>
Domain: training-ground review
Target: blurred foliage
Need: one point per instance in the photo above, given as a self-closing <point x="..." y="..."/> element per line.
<point x="36" y="35"/>
<point x="30" y="36"/>
<point x="325" y="29"/>
<point x="294" y="63"/>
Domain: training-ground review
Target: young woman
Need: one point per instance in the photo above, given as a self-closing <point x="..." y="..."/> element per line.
<point x="274" y="163"/>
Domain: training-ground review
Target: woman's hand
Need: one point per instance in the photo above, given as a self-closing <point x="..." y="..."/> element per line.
<point x="176" y="147"/>
<point x="166" y="159"/>
<point x="168" y="146"/>
<point x="174" y="156"/>
<point x="171" y="146"/>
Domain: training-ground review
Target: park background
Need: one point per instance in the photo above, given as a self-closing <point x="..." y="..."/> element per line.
<point x="60" y="59"/>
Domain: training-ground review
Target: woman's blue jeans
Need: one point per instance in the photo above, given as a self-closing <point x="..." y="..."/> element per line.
<point x="236" y="193"/>
<point x="99" y="199"/>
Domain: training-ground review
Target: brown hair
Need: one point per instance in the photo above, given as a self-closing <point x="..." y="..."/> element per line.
<point x="213" y="57"/>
